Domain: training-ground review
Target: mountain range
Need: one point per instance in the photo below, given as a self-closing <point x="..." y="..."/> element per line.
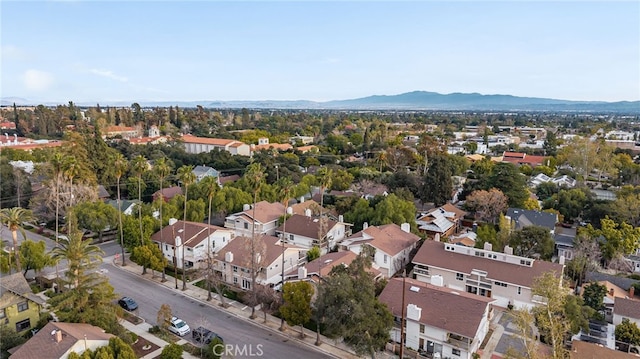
<point x="410" y="101"/>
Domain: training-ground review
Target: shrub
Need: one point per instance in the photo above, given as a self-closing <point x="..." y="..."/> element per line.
<point x="171" y="351"/>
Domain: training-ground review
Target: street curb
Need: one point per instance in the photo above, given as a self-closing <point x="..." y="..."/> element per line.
<point x="249" y="320"/>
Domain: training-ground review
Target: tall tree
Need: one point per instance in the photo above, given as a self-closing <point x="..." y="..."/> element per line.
<point x="187" y="177"/>
<point x="286" y="192"/>
<point x="138" y="167"/>
<point x="487" y="205"/>
<point x="162" y="167"/>
<point x="438" y="185"/>
<point x="255" y="176"/>
<point x="325" y="178"/>
<point x="297" y="303"/>
<point x="119" y="167"/>
<point x="14" y="218"/>
<point x="34" y="256"/>
<point x="211" y="187"/>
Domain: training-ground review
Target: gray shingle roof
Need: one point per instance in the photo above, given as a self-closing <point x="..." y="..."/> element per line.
<point x="525" y="217"/>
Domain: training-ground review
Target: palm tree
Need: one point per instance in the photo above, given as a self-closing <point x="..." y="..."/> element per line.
<point x="80" y="255"/>
<point x="119" y="169"/>
<point x="138" y="166"/>
<point x="326" y="178"/>
<point x="13" y="219"/>
<point x="255" y="177"/>
<point x="57" y="164"/>
<point x="286" y="192"/>
<point x="162" y="168"/>
<point x="210" y="185"/>
<point x="187" y="177"/>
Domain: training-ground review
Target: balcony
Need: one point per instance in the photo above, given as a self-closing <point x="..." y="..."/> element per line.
<point x="459" y="342"/>
<point x="418" y="270"/>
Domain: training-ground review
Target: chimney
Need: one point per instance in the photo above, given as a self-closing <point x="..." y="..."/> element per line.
<point x="488" y="246"/>
<point x="405" y="227"/>
<point x="340" y="218"/>
<point x="508" y="250"/>
<point x="172" y="221"/>
<point x="228" y="257"/>
<point x="437" y="237"/>
<point x="302" y="272"/>
<point x="58" y="336"/>
<point x="365" y="225"/>
<point x="632" y="293"/>
<point x="301" y="199"/>
<point x="437" y="280"/>
<point x="307" y="212"/>
<point x="611" y="292"/>
<point x="246" y="207"/>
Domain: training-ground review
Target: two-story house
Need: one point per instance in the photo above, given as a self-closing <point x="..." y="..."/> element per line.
<point x="266" y="219"/>
<point x="525" y="217"/>
<point x="233" y="263"/>
<point x="194" y="144"/>
<point x="440" y="322"/>
<point x="58" y="340"/>
<point x="204" y="171"/>
<point x="445" y="221"/>
<point x="503" y="276"/>
<point x="626" y="308"/>
<point x="193" y="241"/>
<point x="305" y="231"/>
<point x="19" y="307"/>
<point x="392" y="244"/>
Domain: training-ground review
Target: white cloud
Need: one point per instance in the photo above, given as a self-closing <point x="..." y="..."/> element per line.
<point x="37" y="80"/>
<point x="11" y="52"/>
<point x="108" y="74"/>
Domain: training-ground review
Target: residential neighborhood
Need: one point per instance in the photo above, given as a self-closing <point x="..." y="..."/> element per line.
<point x="448" y="254"/>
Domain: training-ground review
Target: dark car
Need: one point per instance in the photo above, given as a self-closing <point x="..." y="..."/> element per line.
<point x="128" y="304"/>
<point x="204" y="335"/>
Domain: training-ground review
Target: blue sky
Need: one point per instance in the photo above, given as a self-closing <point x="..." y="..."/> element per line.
<point x="89" y="51"/>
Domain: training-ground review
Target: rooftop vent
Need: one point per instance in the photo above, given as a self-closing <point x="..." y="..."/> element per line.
<point x="414" y="289"/>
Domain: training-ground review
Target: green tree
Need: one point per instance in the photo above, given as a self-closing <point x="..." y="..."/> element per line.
<point x="394" y="210"/>
<point x="487" y="234"/>
<point x="532" y="241"/>
<point x="138" y="166"/>
<point x="171" y="351"/>
<point x="551" y="318"/>
<point x="313" y="253"/>
<point x="119" y="167"/>
<point x="215" y="349"/>
<point x="594" y="294"/>
<point x="619" y="238"/>
<point x="296" y="309"/>
<point x="348" y="307"/>
<point x="33" y="255"/>
<point x="550" y="145"/>
<point x="507" y="178"/>
<point x="96" y="216"/>
<point x="255" y="177"/>
<point x="628" y="332"/>
<point x="149" y="256"/>
<point x="14" y="218"/>
<point x="210" y="184"/>
<point x="438" y="185"/>
<point x="187" y="177"/>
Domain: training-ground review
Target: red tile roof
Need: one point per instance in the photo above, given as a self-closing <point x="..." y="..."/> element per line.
<point x="209" y="141"/>
<point x="453" y="311"/>
<point x="389" y="238"/>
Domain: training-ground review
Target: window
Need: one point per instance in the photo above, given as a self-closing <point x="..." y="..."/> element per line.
<point x="385" y="258"/>
<point x="246" y="225"/>
<point x="23" y="306"/>
<point x="235" y="269"/>
<point x="472" y="290"/>
<point x="455" y="352"/>
<point x="291" y="237"/>
<point x="519" y="290"/>
<point x="23" y="325"/>
<point x="246" y="284"/>
<point x="422" y="328"/>
<point x="235" y="280"/>
<point x="459" y="276"/>
<point x="500" y="284"/>
<point x="479" y="254"/>
<point x="3" y="313"/>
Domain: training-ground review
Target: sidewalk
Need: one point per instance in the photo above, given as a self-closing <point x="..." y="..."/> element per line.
<point x="330" y="347"/>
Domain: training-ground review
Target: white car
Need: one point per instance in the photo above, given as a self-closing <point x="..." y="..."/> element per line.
<point x="179" y="327"/>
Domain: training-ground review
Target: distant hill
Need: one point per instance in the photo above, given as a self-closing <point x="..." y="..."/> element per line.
<point x="416" y="100"/>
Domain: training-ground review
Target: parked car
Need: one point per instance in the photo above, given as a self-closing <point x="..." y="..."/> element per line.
<point x="204" y="335"/>
<point x="179" y="327"/>
<point x="128" y="304"/>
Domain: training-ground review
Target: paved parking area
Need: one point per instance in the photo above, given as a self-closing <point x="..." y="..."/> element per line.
<point x="509" y="338"/>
